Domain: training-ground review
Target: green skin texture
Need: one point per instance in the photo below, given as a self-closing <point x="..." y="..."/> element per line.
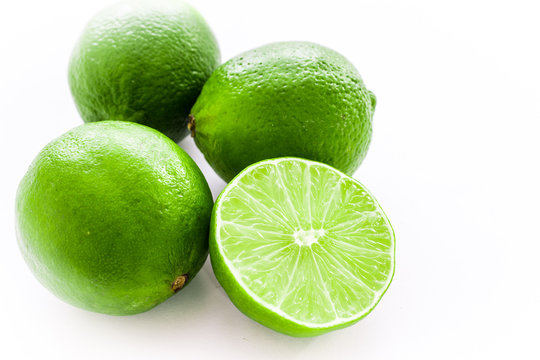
<point x="284" y="99"/>
<point x="110" y="214"/>
<point x="250" y="306"/>
<point x="143" y="61"/>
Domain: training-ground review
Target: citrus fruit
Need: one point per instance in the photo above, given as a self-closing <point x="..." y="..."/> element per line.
<point x="301" y="247"/>
<point x="283" y="99"/>
<point x="113" y="217"/>
<point x="143" y="61"/>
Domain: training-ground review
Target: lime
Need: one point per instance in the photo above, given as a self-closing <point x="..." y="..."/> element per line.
<point x="301" y="247"/>
<point x="143" y="61"/>
<point x="283" y="99"/>
<point x="113" y="217"/>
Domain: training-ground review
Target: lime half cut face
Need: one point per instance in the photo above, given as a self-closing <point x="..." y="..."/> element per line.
<point x="301" y="247"/>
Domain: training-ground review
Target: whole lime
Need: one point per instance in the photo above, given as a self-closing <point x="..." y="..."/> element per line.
<point x="143" y="61"/>
<point x="283" y="99"/>
<point x="113" y="217"/>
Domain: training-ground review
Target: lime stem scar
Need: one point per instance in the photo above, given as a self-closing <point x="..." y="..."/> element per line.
<point x="179" y="282"/>
<point x="191" y="124"/>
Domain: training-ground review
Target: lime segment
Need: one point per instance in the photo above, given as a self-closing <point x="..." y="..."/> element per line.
<point x="301" y="247"/>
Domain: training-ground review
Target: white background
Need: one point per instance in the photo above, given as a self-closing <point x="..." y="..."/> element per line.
<point x="454" y="162"/>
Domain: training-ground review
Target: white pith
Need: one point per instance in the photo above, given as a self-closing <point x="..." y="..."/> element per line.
<point x="307" y="237"/>
<point x="301" y="238"/>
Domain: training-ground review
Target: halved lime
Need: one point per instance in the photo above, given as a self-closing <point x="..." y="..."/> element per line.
<point x="301" y="247"/>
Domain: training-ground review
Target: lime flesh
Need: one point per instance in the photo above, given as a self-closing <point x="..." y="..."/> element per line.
<point x="301" y="247"/>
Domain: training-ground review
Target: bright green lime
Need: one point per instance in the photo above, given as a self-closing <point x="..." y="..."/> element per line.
<point x="284" y="99"/>
<point x="144" y="61"/>
<point x="113" y="217"/>
<point x="301" y="247"/>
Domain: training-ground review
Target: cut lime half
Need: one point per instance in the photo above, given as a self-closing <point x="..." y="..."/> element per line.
<point x="301" y="247"/>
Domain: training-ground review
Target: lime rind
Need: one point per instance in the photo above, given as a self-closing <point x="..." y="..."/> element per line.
<point x="256" y="259"/>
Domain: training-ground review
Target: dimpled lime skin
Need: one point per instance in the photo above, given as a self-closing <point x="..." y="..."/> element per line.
<point x="284" y="99"/>
<point x="110" y="214"/>
<point x="144" y="61"/>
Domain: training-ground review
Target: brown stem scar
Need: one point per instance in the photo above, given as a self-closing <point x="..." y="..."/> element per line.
<point x="179" y="282"/>
<point x="191" y="124"/>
